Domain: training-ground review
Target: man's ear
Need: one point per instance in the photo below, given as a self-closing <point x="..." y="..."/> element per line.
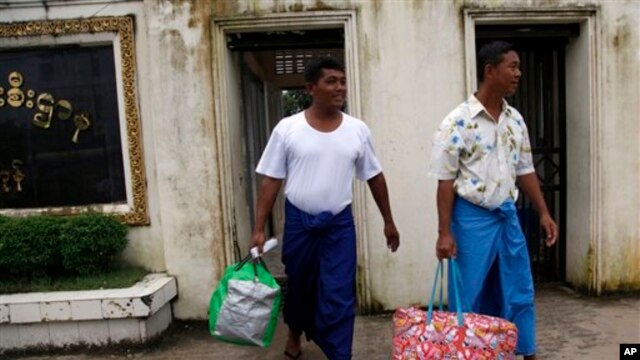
<point x="488" y="71"/>
<point x="310" y="87"/>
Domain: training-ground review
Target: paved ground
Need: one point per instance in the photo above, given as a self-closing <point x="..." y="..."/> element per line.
<point x="570" y="326"/>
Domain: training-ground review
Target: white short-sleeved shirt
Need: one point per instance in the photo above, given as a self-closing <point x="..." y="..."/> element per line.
<point x="482" y="155"/>
<point x="319" y="166"/>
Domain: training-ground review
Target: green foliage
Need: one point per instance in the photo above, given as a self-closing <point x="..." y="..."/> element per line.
<point x="91" y="242"/>
<point x="41" y="246"/>
<point x="28" y="246"/>
<point x="294" y="101"/>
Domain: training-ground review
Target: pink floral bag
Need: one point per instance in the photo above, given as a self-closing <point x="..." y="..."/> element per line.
<point x="433" y="335"/>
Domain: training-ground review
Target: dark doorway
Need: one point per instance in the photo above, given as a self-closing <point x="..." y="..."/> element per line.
<point x="541" y="101"/>
<point x="271" y="83"/>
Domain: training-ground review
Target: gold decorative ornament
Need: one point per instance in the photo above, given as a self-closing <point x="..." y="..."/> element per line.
<point x="82" y="122"/>
<point x="1" y="90"/>
<point x="42" y="120"/>
<point x="64" y="109"/>
<point x="1" y="102"/>
<point x="29" y="104"/>
<point x="31" y="93"/>
<point x="5" y="176"/>
<point x="123" y="27"/>
<point x="15" y="97"/>
<point x="15" y="79"/>
<point x="45" y="102"/>
<point x="18" y="176"/>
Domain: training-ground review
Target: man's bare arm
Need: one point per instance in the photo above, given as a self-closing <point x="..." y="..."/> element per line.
<point x="529" y="184"/>
<point x="378" y="186"/>
<point x="267" y="194"/>
<point x="446" y="244"/>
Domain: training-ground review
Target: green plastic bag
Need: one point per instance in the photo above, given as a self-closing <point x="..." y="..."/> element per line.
<point x="244" y="307"/>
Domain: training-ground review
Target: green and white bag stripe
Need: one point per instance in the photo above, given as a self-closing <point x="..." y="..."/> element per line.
<point x="244" y="307"/>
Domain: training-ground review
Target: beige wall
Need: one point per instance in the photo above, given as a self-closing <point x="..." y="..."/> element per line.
<point x="181" y="112"/>
<point x="619" y="251"/>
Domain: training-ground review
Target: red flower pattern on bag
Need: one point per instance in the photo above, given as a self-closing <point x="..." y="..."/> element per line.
<point x="482" y="337"/>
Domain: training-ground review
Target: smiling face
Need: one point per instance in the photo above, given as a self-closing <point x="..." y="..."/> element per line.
<point x="504" y="76"/>
<point x="330" y="91"/>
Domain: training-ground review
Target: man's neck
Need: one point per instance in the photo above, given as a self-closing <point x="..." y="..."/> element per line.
<point x="319" y="113"/>
<point x="491" y="100"/>
<point x="323" y="119"/>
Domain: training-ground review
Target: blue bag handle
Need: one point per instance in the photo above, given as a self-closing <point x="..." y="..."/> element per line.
<point x="457" y="283"/>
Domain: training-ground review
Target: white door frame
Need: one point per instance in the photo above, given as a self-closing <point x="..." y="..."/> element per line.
<point x="586" y="16"/>
<point x="273" y="22"/>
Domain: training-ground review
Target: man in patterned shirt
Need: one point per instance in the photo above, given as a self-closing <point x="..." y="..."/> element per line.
<point x="480" y="152"/>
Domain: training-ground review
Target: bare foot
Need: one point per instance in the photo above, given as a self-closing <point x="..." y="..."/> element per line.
<point x="292" y="350"/>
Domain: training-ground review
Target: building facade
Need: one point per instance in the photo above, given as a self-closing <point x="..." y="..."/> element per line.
<point x="196" y="86"/>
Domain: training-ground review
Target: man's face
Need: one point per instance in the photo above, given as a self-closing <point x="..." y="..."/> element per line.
<point x="330" y="90"/>
<point x="506" y="75"/>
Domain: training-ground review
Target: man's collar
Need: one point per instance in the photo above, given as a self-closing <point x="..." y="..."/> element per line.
<point x="476" y="107"/>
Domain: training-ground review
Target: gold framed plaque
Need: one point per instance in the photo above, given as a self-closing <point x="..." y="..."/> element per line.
<point x="131" y="208"/>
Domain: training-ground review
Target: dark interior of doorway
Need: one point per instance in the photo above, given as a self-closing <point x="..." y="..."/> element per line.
<point x="541" y="101"/>
<point x="272" y="85"/>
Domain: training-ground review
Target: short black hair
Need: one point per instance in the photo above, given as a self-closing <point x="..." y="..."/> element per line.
<point x="491" y="54"/>
<point x="313" y="70"/>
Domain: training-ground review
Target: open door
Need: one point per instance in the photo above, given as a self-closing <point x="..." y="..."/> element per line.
<point x="270" y="65"/>
<point x="541" y="99"/>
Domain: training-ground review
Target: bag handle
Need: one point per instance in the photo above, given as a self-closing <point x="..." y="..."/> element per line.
<point x="457" y="283"/>
<point x="433" y="292"/>
<point x="465" y="301"/>
<point x="254" y="262"/>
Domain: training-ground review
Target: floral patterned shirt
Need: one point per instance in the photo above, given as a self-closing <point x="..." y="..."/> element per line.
<point x="482" y="156"/>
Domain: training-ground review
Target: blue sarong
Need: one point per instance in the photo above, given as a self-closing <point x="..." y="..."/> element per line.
<point x="494" y="265"/>
<point x="319" y="254"/>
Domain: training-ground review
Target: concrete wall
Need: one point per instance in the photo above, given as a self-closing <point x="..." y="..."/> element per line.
<point x="182" y="116"/>
<point x="412" y="73"/>
<point x="619" y="251"/>
<point x="580" y="244"/>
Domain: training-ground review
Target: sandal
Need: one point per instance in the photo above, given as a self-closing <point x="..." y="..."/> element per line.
<point x="291" y="356"/>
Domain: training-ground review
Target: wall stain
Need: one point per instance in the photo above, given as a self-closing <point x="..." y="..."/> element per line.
<point x="278" y="6"/>
<point x="376" y="307"/>
<point x="179" y="51"/>
<point x="360" y="291"/>
<point x="590" y="269"/>
<point x="225" y="7"/>
<point x="623" y="35"/>
<point x="320" y="5"/>
<point x="623" y="274"/>
<point x="297" y="7"/>
<point x="417" y="5"/>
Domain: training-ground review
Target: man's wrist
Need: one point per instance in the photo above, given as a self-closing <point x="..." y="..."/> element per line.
<point x="443" y="232"/>
<point x="258" y="230"/>
<point x="544" y="213"/>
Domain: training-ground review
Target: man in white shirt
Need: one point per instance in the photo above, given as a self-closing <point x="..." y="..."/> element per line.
<point x="479" y="153"/>
<point x="317" y="151"/>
